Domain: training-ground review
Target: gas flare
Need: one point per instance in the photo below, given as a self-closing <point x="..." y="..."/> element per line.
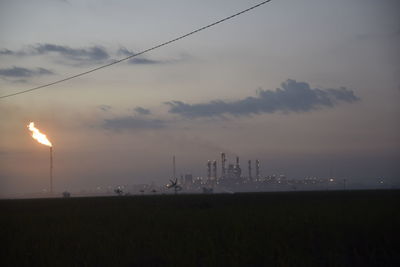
<point x="38" y="136"/>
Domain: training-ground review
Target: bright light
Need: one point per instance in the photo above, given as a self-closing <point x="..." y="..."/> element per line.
<point x="38" y="136"/>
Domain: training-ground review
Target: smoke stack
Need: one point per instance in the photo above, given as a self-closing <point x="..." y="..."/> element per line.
<point x="173" y="168"/>
<point x="257" y="169"/>
<point x="250" y="177"/>
<point x="51" y="170"/>
<point x="42" y="139"/>
<point x="214" y="169"/>
<point x="223" y="168"/>
<point x="237" y="161"/>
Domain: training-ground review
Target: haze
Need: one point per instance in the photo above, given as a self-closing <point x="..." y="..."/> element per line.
<point x="310" y="88"/>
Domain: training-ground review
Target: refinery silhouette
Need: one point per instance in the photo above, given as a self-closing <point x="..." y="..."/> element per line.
<point x="223" y="176"/>
<point x="233" y="178"/>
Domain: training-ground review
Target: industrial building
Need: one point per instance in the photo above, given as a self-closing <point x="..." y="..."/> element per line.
<point x="232" y="178"/>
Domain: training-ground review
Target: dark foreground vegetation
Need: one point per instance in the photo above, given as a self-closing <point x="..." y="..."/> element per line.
<point x="359" y="228"/>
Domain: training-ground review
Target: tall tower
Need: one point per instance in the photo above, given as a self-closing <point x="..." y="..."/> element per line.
<point x="173" y="168"/>
<point x="214" y="170"/>
<point x="250" y="177"/>
<point x="237" y="169"/>
<point x="223" y="167"/>
<point x="208" y="170"/>
<point x="51" y="170"/>
<point x="257" y="169"/>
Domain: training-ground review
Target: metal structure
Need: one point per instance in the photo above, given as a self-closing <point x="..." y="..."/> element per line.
<point x="214" y="170"/>
<point x="51" y="170"/>
<point x="173" y="168"/>
<point x="237" y="169"/>
<point x="249" y="167"/>
<point x="257" y="169"/>
<point x="209" y="170"/>
<point x="223" y="166"/>
<point x="118" y="191"/>
<point x="174" y="185"/>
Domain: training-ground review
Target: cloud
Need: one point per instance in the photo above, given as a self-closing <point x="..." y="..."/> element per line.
<point x="144" y="61"/>
<point x="93" y="53"/>
<point x="81" y="55"/>
<point x="19" y="72"/>
<point x="6" y="52"/>
<point x="122" y="51"/>
<point x="142" y="111"/>
<point x="292" y="97"/>
<point x="133" y="123"/>
<point x="137" y="60"/>
<point x="105" y="107"/>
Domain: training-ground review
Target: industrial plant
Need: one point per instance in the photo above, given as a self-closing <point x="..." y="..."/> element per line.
<point x="231" y="177"/>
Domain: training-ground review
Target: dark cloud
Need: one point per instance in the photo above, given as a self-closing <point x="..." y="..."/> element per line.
<point x="122" y="51"/>
<point x="18" y="72"/>
<point x="133" y="123"/>
<point x="81" y="55"/>
<point x="143" y="61"/>
<point x="137" y="60"/>
<point x="105" y="107"/>
<point x="142" y="111"/>
<point x="93" y="53"/>
<point x="292" y="97"/>
<point x="6" y="52"/>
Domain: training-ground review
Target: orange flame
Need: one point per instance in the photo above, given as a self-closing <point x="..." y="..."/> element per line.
<point x="36" y="134"/>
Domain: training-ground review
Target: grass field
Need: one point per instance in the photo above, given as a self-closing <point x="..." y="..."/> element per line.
<point x="348" y="228"/>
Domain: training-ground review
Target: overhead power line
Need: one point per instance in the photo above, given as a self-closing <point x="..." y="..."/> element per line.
<point x="137" y="54"/>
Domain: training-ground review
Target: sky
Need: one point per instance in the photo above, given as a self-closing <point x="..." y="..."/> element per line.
<point x="309" y="87"/>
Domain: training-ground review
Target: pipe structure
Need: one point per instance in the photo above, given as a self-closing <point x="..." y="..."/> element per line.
<point x="223" y="168"/>
<point x="214" y="169"/>
<point x="257" y="169"/>
<point x="51" y="170"/>
<point x="250" y="177"/>
<point x="237" y="169"/>
<point x="173" y="168"/>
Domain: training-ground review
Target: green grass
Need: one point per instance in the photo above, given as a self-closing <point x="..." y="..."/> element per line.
<point x="359" y="228"/>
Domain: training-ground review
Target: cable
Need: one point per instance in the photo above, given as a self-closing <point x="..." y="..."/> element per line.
<point x="137" y="54"/>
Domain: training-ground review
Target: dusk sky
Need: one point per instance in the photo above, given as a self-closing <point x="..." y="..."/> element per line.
<point x="309" y="87"/>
